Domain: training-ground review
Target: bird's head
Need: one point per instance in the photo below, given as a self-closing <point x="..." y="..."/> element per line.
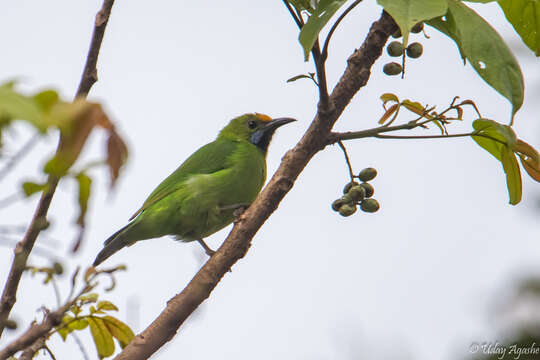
<point x="255" y="128"/>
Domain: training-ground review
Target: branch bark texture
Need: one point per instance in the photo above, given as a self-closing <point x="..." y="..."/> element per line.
<point x="39" y="220"/>
<point x="238" y="242"/>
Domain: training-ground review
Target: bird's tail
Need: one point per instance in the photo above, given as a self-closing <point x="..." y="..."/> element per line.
<point x="114" y="243"/>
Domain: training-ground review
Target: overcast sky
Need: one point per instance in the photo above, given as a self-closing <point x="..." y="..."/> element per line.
<point x="417" y="280"/>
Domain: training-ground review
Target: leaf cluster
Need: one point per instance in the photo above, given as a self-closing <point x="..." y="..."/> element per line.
<point x="87" y="311"/>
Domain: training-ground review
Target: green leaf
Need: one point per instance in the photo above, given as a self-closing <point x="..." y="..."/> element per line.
<point x="89" y="298"/>
<point x="513" y="175"/>
<point x="76" y="310"/>
<point x="298" y="77"/>
<point x="106" y="305"/>
<point x="30" y="188"/>
<point x="407" y="13"/>
<point x="64" y="332"/>
<point x="524" y="15"/>
<point x="102" y="337"/>
<point x="480" y="1"/>
<point x="319" y="18"/>
<point x="47" y="99"/>
<point x="486" y="50"/>
<point x="119" y="330"/>
<point x="499" y="136"/>
<point x="78" y="324"/>
<point x="85" y="186"/>
<point x="386" y="97"/>
<point x="14" y="106"/>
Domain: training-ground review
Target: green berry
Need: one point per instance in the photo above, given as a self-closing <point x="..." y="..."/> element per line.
<point x="392" y="68"/>
<point x="58" y="268"/>
<point x="357" y="193"/>
<point x="397" y="34"/>
<point x="417" y="28"/>
<point x="349" y="186"/>
<point x="347" y="198"/>
<point x="367" y="174"/>
<point x="368" y="188"/>
<point x="347" y="210"/>
<point x="337" y="204"/>
<point x="395" y="48"/>
<point x="415" y="50"/>
<point x="369" y="205"/>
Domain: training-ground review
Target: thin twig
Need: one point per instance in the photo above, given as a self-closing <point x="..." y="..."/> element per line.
<point x="23" y="248"/>
<point x="425" y="136"/>
<point x="15" y="159"/>
<point x="351" y="173"/>
<point x="293" y="14"/>
<point x="324" y="53"/>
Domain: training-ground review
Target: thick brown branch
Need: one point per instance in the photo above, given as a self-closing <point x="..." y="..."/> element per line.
<point x="24" y="247"/>
<point x="238" y="242"/>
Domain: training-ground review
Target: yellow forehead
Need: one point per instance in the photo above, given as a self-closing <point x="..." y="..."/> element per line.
<point x="263" y="117"/>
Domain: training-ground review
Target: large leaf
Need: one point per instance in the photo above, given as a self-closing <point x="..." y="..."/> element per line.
<point x="84" y="117"/>
<point x="119" y="330"/>
<point x="316" y="22"/>
<point x="501" y="142"/>
<point x="408" y="13"/>
<point x="524" y="15"/>
<point x="513" y="175"/>
<point x="496" y="136"/>
<point x="486" y="50"/>
<point x="102" y="337"/>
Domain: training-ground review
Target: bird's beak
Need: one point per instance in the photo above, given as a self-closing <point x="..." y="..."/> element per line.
<point x="275" y="123"/>
<point x="262" y="137"/>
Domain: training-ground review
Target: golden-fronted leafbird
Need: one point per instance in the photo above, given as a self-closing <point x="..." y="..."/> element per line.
<point x="201" y="196"/>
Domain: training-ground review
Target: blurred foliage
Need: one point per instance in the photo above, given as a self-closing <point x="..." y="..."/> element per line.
<point x="75" y="121"/>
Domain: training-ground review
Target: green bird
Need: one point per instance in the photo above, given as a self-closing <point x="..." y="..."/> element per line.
<point x="201" y="196"/>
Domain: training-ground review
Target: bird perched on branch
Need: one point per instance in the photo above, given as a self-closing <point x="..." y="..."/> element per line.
<point x="201" y="196"/>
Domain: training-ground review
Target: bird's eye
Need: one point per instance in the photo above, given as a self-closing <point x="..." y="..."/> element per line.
<point x="252" y="124"/>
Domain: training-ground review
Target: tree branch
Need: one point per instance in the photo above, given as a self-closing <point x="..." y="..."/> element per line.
<point x="356" y="75"/>
<point x="33" y="337"/>
<point x="24" y="247"/>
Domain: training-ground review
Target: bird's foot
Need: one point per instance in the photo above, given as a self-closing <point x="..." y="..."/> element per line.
<point x="206" y="248"/>
<point x="239" y="209"/>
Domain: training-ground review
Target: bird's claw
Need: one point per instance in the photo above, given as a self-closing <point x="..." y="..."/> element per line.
<point x="238" y="212"/>
<point x="206" y="248"/>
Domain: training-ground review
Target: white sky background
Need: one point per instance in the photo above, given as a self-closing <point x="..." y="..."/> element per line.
<point x="417" y="280"/>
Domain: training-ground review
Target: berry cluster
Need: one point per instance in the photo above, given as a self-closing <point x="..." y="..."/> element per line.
<point x="395" y="49"/>
<point x="355" y="194"/>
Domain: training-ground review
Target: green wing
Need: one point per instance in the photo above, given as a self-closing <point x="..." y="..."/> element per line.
<point x="208" y="159"/>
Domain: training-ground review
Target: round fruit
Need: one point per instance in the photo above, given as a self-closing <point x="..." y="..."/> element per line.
<point x="370" y="205"/>
<point x="58" y="268"/>
<point x="349" y="186"/>
<point x="415" y="50"/>
<point x="368" y="188"/>
<point x="417" y="28"/>
<point x="337" y="204"/>
<point x="395" y="48"/>
<point x="367" y="174"/>
<point x="347" y="210"/>
<point x="393" y="68"/>
<point x="357" y="193"/>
